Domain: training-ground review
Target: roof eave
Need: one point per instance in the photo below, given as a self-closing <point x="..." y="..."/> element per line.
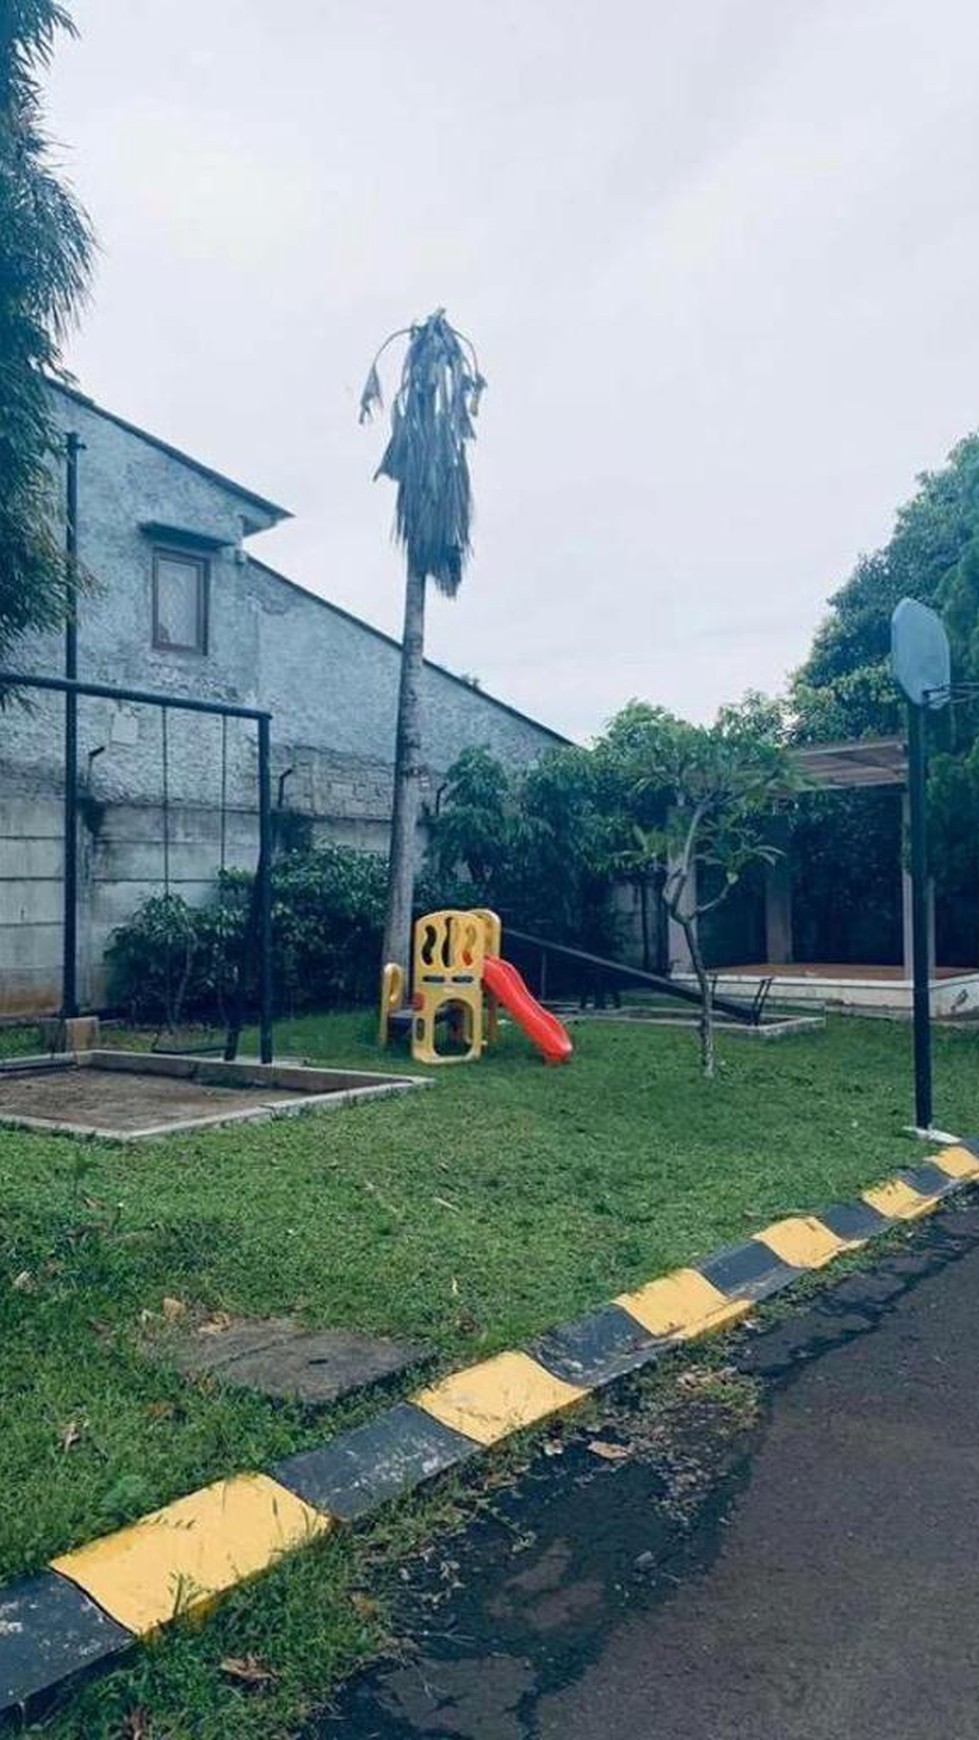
<point x="272" y="511"/>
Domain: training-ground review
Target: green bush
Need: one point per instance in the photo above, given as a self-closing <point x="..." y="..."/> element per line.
<point x="154" y="961"/>
<point x="327" y="924"/>
<point x="172" y="962"/>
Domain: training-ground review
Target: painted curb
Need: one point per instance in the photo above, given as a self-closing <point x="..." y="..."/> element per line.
<point x="93" y="1605"/>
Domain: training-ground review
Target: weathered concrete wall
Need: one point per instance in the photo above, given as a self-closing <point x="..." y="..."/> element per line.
<point x="332" y="682"/>
<point x="329" y="680"/>
<point x="120" y="863"/>
<point x="122" y="851"/>
<point x="31" y="866"/>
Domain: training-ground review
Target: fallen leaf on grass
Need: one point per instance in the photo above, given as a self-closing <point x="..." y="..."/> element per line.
<point x="98" y="1327"/>
<point x="71" y="1433"/>
<point x="609" y="1452"/>
<point x="389" y="1206"/>
<point x="215" y="1325"/>
<point x="247" y="1670"/>
<point x="364" y="1605"/>
<point x="24" y="1282"/>
<point x="172" y="1309"/>
<point x="553" y="1447"/>
<point x="137" y="1724"/>
<point x="160" y="1410"/>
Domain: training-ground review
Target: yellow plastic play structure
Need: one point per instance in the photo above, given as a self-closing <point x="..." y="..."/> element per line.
<point x="392" y="997"/>
<point x="447" y="974"/>
<point x="459" y="981"/>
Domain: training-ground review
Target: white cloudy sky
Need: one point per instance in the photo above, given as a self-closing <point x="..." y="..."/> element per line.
<point x="721" y="262"/>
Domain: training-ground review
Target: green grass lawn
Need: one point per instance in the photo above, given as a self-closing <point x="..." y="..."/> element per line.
<point x="505" y="1198"/>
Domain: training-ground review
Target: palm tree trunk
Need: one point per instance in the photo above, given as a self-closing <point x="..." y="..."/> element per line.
<point x="407" y="781"/>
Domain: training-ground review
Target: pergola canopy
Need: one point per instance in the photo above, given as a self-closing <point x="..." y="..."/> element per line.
<point x="860" y="765"/>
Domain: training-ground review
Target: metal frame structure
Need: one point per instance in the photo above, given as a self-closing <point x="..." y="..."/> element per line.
<point x="745" y="1014"/>
<point x="72" y="688"/>
<point x="917" y="713"/>
<point x="921" y="666"/>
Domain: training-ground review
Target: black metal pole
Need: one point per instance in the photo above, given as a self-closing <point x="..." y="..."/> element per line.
<point x="69" y="950"/>
<point x="115" y="692"/>
<point x="921" y="952"/>
<point x="265" y="887"/>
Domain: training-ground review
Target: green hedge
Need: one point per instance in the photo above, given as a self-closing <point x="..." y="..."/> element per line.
<point x="174" y="963"/>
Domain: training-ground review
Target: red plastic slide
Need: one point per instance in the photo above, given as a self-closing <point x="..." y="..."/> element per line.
<point x="549" y="1035"/>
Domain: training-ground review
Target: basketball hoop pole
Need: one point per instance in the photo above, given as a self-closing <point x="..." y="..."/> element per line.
<point x="921" y="664"/>
<point x="920" y="949"/>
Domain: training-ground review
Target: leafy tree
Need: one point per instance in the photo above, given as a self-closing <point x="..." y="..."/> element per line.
<point x="534" y="845"/>
<point x="559" y="871"/>
<point x="46" y="249"/>
<point x="154" y="960"/>
<point x="845" y="689"/>
<point x="713" y="789"/>
<point x="472" y="822"/>
<point x="635" y="815"/>
<point x="683" y="810"/>
<point x="432" y="421"/>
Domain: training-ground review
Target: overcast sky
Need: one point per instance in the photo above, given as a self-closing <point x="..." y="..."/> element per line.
<point x="720" y="261"/>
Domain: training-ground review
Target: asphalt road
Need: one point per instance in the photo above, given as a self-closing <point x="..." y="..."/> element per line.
<point x="825" y="1586"/>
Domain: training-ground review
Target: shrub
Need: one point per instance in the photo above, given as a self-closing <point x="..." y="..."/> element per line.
<point x="327" y="923"/>
<point x="152" y="960"/>
<point x="172" y="962"/>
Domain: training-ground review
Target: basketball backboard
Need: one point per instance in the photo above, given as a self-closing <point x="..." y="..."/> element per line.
<point x="920" y="658"/>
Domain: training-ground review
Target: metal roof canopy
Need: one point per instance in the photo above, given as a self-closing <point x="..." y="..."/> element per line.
<point x="859" y="765"/>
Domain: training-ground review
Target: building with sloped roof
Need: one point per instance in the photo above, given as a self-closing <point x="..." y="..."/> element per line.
<point x="175" y="601"/>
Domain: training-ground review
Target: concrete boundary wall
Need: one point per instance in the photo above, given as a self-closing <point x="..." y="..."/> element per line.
<point x="120" y="864"/>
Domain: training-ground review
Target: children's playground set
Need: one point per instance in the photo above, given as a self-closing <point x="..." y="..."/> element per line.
<point x="460" y="982"/>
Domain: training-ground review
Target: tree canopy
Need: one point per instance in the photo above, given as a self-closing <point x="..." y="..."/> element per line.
<point x="432" y="419"/>
<point x="845" y="689"/>
<point x="714" y="789"/>
<point x="46" y="249"/>
<point x="681" y="811"/>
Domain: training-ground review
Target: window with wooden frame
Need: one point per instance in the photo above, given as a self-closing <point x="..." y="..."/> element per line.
<point x="180" y="588"/>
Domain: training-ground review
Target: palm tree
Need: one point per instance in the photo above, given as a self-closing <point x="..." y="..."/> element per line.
<point x="46" y="249"/>
<point x="432" y="419"/>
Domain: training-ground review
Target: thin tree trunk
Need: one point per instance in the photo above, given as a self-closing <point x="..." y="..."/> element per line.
<point x="407" y="781"/>
<point x="706" y="1022"/>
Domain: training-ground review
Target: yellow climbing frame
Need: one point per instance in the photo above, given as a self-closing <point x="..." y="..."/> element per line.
<point x="449" y="950"/>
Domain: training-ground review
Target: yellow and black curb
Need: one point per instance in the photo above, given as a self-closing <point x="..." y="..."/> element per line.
<point x="92" y="1605"/>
